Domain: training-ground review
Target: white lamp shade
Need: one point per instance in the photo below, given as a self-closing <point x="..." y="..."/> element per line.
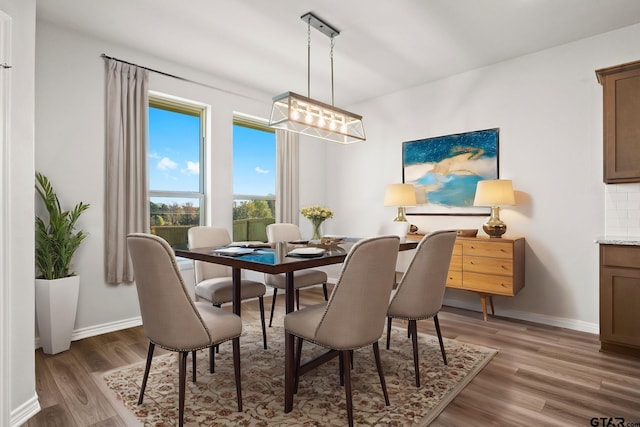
<point x="494" y="192"/>
<point x="400" y="195"/>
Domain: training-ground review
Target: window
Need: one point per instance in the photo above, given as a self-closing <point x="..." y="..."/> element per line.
<point x="176" y="175"/>
<point x="254" y="179"/>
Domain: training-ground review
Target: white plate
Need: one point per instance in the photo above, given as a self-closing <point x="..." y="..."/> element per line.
<point x="233" y="251"/>
<point x="307" y="251"/>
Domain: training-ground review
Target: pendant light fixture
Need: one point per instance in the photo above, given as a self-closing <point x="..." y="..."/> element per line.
<point x="304" y="115"/>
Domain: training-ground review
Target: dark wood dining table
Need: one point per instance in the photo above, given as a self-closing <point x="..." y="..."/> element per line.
<point x="276" y="260"/>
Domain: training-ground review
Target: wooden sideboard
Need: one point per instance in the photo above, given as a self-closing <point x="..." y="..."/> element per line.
<point x="487" y="266"/>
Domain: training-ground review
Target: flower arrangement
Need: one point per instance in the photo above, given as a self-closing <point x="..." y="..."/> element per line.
<point x="317" y="215"/>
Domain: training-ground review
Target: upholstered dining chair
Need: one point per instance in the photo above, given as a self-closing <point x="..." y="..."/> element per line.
<point x="421" y="290"/>
<point x="214" y="282"/>
<point x="171" y="319"/>
<point x="286" y="232"/>
<point x="354" y="315"/>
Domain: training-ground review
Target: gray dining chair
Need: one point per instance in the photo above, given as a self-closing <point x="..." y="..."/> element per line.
<point x="421" y="289"/>
<point x="354" y="315"/>
<point x="214" y="282"/>
<point x="171" y="319"/>
<point x="286" y="232"/>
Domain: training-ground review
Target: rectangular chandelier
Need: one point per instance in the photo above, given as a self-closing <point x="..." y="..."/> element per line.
<point x="297" y="113"/>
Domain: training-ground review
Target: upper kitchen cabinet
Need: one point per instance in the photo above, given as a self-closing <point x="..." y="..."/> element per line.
<point x="621" y="108"/>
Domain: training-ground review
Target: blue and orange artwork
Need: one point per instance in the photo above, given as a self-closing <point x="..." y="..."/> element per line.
<point x="446" y="169"/>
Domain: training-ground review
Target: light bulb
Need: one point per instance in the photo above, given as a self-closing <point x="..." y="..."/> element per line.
<point x="322" y="122"/>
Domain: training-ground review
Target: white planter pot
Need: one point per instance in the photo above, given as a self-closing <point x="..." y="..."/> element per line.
<point x="56" y="303"/>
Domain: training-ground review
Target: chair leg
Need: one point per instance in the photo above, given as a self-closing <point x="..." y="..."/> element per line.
<point x="193" y="366"/>
<point x="152" y="346"/>
<point x="437" y="324"/>
<point x="341" y="368"/>
<point x="217" y="346"/>
<point x="298" y="359"/>
<point x="182" y="379"/>
<point x="344" y="355"/>
<point x="383" y="384"/>
<point x="297" y="299"/>
<point x="273" y="305"/>
<point x="236" y="368"/>
<point x="414" y="338"/>
<point x="324" y="290"/>
<point x="389" y="319"/>
<point x="264" y="329"/>
<point x="212" y="360"/>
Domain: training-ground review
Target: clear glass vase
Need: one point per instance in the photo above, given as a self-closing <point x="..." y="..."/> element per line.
<point x="317" y="234"/>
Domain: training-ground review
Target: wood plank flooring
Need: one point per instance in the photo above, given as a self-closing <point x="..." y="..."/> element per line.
<point x="542" y="375"/>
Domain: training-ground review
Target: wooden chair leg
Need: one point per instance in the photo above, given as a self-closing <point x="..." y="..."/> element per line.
<point x="182" y="379"/>
<point x="414" y="338"/>
<point x="437" y="324"/>
<point x="297" y="299"/>
<point x="341" y="368"/>
<point x="389" y="320"/>
<point x="147" y="367"/>
<point x="298" y="359"/>
<point x="324" y="290"/>
<point x="193" y="366"/>
<point x="212" y="360"/>
<point x="273" y="305"/>
<point x="264" y="329"/>
<point x="236" y="368"/>
<point x="344" y="356"/>
<point x="383" y="384"/>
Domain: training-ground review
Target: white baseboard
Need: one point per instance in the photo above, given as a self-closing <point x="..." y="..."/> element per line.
<point x="561" y="322"/>
<point x="22" y="413"/>
<point x="104" y="328"/>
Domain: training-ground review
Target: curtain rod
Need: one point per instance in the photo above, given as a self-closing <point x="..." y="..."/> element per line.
<point x="105" y="56"/>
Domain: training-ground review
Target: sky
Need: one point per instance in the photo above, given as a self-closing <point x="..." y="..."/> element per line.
<point x="174" y="155"/>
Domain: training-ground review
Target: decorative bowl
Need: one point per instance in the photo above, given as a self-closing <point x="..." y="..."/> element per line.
<point x="469" y="232"/>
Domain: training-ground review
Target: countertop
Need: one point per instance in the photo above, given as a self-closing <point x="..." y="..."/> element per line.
<point x="618" y="240"/>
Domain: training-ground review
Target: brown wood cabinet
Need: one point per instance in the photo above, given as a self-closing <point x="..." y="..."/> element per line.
<point x="620" y="299"/>
<point x="621" y="109"/>
<point x="487" y="266"/>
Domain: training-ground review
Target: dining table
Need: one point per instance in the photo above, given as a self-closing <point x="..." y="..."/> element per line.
<point x="278" y="258"/>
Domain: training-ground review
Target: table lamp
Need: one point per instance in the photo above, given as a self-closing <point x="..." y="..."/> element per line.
<point x="493" y="193"/>
<point x="400" y="195"/>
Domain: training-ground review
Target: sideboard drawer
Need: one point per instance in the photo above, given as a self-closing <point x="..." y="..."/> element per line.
<point x="501" y="285"/>
<point x="454" y="279"/>
<point x="488" y="249"/>
<point x="488" y="265"/>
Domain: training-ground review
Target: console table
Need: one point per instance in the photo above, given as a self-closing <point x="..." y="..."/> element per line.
<point x="487" y="266"/>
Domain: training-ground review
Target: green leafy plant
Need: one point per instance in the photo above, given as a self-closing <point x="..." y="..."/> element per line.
<point x="57" y="240"/>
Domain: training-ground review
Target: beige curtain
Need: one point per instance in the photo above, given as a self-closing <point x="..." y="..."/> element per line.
<point x="287" y="177"/>
<point x="126" y="199"/>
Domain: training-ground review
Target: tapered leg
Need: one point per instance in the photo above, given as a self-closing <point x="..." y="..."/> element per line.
<point x="182" y="380"/>
<point x="298" y="359"/>
<point x="437" y="324"/>
<point x="389" y="320"/>
<point x="341" y="368"/>
<point x="212" y="360"/>
<point x="344" y="355"/>
<point x="383" y="384"/>
<point x="414" y="338"/>
<point x="264" y="329"/>
<point x="324" y="290"/>
<point x="193" y="366"/>
<point x="236" y="368"/>
<point x="152" y="346"/>
<point x="273" y="305"/>
<point x="297" y="299"/>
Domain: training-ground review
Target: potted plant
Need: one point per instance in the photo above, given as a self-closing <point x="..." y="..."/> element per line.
<point x="56" y="285"/>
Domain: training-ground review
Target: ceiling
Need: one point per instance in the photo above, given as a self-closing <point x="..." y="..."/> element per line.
<point x="383" y="46"/>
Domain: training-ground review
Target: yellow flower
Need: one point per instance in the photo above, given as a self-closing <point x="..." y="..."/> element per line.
<point x="316" y="212"/>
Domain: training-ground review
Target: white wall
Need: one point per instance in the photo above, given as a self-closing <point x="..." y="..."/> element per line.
<point x="19" y="400"/>
<point x="548" y="107"/>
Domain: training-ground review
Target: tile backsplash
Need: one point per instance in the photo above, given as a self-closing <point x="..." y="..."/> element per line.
<point x="622" y="210"/>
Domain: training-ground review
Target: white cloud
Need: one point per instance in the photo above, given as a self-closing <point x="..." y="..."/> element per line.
<point x="154" y="155"/>
<point x="260" y="170"/>
<point x="193" y="168"/>
<point x="166" y="163"/>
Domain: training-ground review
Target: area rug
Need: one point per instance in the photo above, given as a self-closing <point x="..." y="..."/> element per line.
<point x="320" y="400"/>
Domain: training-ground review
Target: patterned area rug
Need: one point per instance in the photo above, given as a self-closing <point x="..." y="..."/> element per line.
<point x="320" y="400"/>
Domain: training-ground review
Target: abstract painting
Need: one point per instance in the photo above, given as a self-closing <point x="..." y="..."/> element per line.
<point x="446" y="169"/>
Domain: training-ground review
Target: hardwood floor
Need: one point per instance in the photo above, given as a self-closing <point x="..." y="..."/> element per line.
<point x="541" y="376"/>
